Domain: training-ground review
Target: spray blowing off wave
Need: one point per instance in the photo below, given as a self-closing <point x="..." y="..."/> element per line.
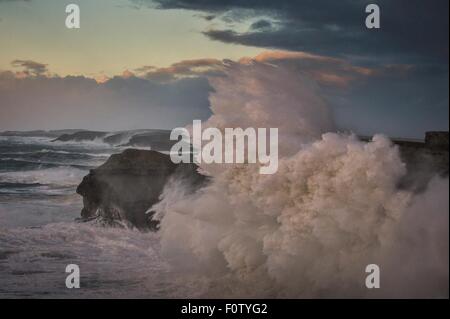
<point x="333" y="207"/>
<point x="260" y="95"/>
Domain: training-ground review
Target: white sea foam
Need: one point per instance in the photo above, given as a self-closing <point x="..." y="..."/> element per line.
<point x="47" y="151"/>
<point x="307" y="231"/>
<point x="310" y="229"/>
<point x="62" y="176"/>
<point x="114" y="263"/>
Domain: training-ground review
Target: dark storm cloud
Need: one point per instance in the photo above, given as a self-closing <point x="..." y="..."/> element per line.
<point x="411" y="31"/>
<point x="397" y="99"/>
<point x="400" y="100"/>
<point x="392" y="80"/>
<point x="182" y="69"/>
<point x="261" y="24"/>
<point x="30" y="67"/>
<point x="209" y="17"/>
<point x="402" y="103"/>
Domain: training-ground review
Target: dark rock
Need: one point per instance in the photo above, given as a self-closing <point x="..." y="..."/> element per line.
<point x="424" y="160"/>
<point x="128" y="184"/>
<point x="124" y="188"/>
<point x="436" y="140"/>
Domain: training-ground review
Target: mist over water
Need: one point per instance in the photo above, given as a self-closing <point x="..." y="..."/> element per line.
<point x="309" y="230"/>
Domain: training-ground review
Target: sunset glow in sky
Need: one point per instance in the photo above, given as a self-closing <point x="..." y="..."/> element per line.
<point x="146" y="63"/>
<point x="115" y="35"/>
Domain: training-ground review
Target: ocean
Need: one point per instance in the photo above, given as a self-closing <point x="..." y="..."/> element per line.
<point x="297" y="233"/>
<point x="39" y="234"/>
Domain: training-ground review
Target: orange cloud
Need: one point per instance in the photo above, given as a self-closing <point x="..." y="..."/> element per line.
<point x="127" y="74"/>
<point x="30" y="68"/>
<point x="185" y="68"/>
<point x="101" y="78"/>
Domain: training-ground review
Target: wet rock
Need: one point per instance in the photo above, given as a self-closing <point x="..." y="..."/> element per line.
<point x="128" y="184"/>
<point x="424" y="160"/>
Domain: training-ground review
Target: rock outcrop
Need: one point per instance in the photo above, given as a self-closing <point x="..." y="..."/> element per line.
<point x="437" y="140"/>
<point x="124" y="188"/>
<point x="128" y="184"/>
<point x="424" y="160"/>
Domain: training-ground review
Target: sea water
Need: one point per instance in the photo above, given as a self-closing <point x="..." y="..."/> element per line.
<point x="39" y="234"/>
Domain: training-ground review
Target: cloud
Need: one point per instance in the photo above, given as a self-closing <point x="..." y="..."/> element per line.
<point x="394" y="79"/>
<point x="261" y="25"/>
<point x="30" y="68"/>
<point x="325" y="70"/>
<point x="411" y="31"/>
<point x="127" y="74"/>
<point x="402" y="100"/>
<point x="182" y="69"/>
<point x="397" y="99"/>
<point x="209" y="17"/>
<point x="121" y="102"/>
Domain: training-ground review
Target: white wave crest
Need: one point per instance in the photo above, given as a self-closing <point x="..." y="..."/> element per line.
<point x="309" y="230"/>
<point x="62" y="176"/>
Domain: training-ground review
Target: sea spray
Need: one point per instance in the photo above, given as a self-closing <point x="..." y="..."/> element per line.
<point x="309" y="230"/>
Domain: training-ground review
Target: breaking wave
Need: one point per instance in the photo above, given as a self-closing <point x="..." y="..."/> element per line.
<point x="63" y="176"/>
<point x="309" y="230"/>
<point x="116" y="263"/>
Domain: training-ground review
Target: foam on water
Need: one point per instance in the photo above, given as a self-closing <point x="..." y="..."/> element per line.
<point x="309" y="230"/>
<point x="113" y="262"/>
<point x="63" y="176"/>
<point x="39" y="237"/>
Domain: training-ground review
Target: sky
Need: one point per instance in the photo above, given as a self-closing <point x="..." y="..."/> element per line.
<point x="146" y="63"/>
<point x="115" y="35"/>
